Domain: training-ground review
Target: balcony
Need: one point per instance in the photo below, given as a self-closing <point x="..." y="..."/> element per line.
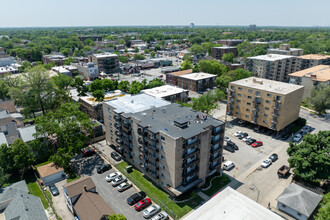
<point x="191" y="142"/>
<point x="276" y="107"/>
<point x="190" y="152"/>
<point x="188" y="171"/>
<point x="186" y="181"/>
<point x="215" y="156"/>
<point x="119" y="140"/>
<point x="139" y="130"/>
<point x="117" y="124"/>
<point x="116" y="117"/>
<point x="126" y="129"/>
<point x="141" y="140"/>
<point x="152" y="139"/>
<point x="215" y="148"/>
<point x="215" y="139"/>
<point x="188" y="162"/>
<point x="216" y="130"/>
<point x="231" y="101"/>
<point x="118" y="133"/>
<point x="212" y="167"/>
<point x="277" y="101"/>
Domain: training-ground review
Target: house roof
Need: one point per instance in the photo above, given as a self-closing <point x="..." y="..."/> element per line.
<point x="179" y="73"/>
<point x="77" y="187"/>
<point x="91" y="205"/>
<point x="27" y="133"/>
<point x="8" y="105"/>
<point x="3" y="139"/>
<point x="300" y="199"/>
<point x="49" y="169"/>
<point x="314" y="56"/>
<point x="319" y="73"/>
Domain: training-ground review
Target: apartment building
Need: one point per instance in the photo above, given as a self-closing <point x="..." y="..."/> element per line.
<point x="197" y="82"/>
<point x="106" y="62"/>
<point x="89" y="71"/>
<point x="230" y="42"/>
<point x="252" y="27"/>
<point x="218" y="52"/>
<point x="174" y="146"/>
<point x="266" y="103"/>
<point x="169" y="93"/>
<point x="172" y="77"/>
<point x="285" y="49"/>
<point x="272" y="66"/>
<point x="310" y="60"/>
<point x="56" y="58"/>
<point x="310" y="78"/>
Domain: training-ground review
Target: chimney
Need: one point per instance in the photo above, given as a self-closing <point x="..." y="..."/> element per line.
<point x="85" y="188"/>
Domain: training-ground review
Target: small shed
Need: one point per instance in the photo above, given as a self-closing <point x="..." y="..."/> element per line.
<point x="50" y="173"/>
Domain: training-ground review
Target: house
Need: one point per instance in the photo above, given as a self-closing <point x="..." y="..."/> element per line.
<point x="298" y="201"/>
<point x="83" y="200"/>
<point x="16" y="203"/>
<point x="231" y="205"/>
<point x="50" y="173"/>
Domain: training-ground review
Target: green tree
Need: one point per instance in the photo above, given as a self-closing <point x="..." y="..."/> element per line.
<point x="124" y="86"/>
<point x="152" y="54"/>
<point x="86" y="48"/>
<point x="146" y="51"/>
<point x="135" y="87"/>
<point x="320" y="98"/>
<point x="229" y="57"/>
<point x="3" y="177"/>
<point x="324" y="208"/>
<point x="187" y="57"/>
<point x="6" y="158"/>
<point x="89" y="42"/>
<point x="197" y="49"/>
<point x="107" y="85"/>
<point x="22" y="155"/>
<point x="211" y="66"/>
<point x="96" y="85"/>
<point x="123" y="59"/>
<point x="98" y="95"/>
<point x="63" y="82"/>
<point x="117" y="217"/>
<point x="219" y="95"/>
<point x="205" y="103"/>
<point x="4" y="89"/>
<point x="25" y="66"/>
<point x="186" y="65"/>
<point x="136" y="50"/>
<point x="68" y="61"/>
<point x="82" y="89"/>
<point x="138" y="57"/>
<point x="154" y="83"/>
<point x="309" y="159"/>
<point x="227" y="77"/>
<point x="48" y="66"/>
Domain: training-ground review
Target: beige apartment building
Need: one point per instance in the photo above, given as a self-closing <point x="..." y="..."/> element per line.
<point x="285" y="49"/>
<point x="174" y="146"/>
<point x="310" y="78"/>
<point x="266" y="103"/>
<point x="310" y="60"/>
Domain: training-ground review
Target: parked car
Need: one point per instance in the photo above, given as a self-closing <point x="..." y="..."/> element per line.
<point x="238" y="133"/>
<point x="297" y="137"/>
<point x="247" y="138"/>
<point x="115" y="156"/>
<point x="266" y="163"/>
<point x="103" y="168"/>
<point x="226" y="139"/>
<point x="160" y="216"/>
<point x="283" y="171"/>
<point x="136" y="197"/>
<point x="232" y="145"/>
<point x="228" y="165"/>
<point x="151" y="211"/>
<point x="250" y="141"/>
<point x="142" y="204"/>
<point x="243" y="135"/>
<point x="273" y="157"/>
<point x="88" y="152"/>
<point x="54" y="190"/>
<point x="228" y="148"/>
<point x="285" y="136"/>
<point x="118" y="180"/>
<point x="257" y="144"/>
<point x="112" y="176"/>
<point x="307" y="128"/>
<point x="241" y="122"/>
<point x="125" y="185"/>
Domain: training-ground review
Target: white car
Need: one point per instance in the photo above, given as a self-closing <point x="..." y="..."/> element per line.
<point x="238" y="133"/>
<point x="152" y="210"/>
<point x="160" y="216"/>
<point x="227" y="139"/>
<point x="112" y="176"/>
<point x="122" y="187"/>
<point x="297" y="137"/>
<point x="247" y="138"/>
<point x="266" y="163"/>
<point x="119" y="180"/>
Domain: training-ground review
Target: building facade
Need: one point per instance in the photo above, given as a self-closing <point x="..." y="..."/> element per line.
<point x="57" y="59"/>
<point x="285" y="49"/>
<point x="272" y="66"/>
<point x="310" y="78"/>
<point x="172" y="77"/>
<point x="169" y="93"/>
<point x="197" y="82"/>
<point x="88" y="70"/>
<point x="310" y="60"/>
<point x="230" y="42"/>
<point x="106" y="62"/>
<point x="218" y="52"/>
<point x="266" y="103"/>
<point x="174" y="146"/>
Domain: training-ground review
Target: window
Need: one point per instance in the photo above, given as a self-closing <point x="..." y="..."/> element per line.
<point x="249" y="97"/>
<point x="248" y="103"/>
<point x="269" y="95"/>
<point x="266" y="115"/>
<point x="299" y="214"/>
<point x="267" y="101"/>
<point x="246" y="116"/>
<point x="237" y="106"/>
<point x="110" y="124"/>
<point x="239" y="94"/>
<point x="238" y="100"/>
<point x="232" y="87"/>
<point x="111" y="131"/>
<point x="239" y="88"/>
<point x="162" y="157"/>
<point x="250" y="90"/>
<point x="265" y="122"/>
<point x="267" y="108"/>
<point x="162" y="175"/>
<point x="163" y="167"/>
<point x="237" y="113"/>
<point x="284" y="206"/>
<point x="162" y="148"/>
<point x="247" y="109"/>
<point x="162" y="138"/>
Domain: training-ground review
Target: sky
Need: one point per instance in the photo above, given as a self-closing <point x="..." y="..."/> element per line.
<point x="58" y="13"/>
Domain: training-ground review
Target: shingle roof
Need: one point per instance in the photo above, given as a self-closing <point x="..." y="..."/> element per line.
<point x="299" y="199"/>
<point x="48" y="169"/>
<point x="91" y="205"/>
<point x="27" y="133"/>
<point x="8" y="105"/>
<point x="77" y="187"/>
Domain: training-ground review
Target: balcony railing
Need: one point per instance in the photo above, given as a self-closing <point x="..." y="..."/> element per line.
<point x="126" y="129"/>
<point x="191" y="171"/>
<point x="190" y="162"/>
<point x="212" y="167"/>
<point x="215" y="156"/>
<point x="190" y="152"/>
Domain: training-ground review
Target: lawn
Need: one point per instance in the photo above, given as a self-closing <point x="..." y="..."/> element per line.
<point x="49" y="196"/>
<point x="217" y="184"/>
<point x="159" y="196"/>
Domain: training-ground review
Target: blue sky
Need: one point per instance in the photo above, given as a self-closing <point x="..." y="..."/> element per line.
<point x="49" y="13"/>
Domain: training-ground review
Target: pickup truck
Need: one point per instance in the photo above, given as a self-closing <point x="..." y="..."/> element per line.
<point x="283" y="171"/>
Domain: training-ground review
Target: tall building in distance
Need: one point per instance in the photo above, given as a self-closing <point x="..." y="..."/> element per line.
<point x="266" y="103"/>
<point x="174" y="146"/>
<point x="192" y="25"/>
<point x="272" y="66"/>
<point x="285" y="49"/>
<point x="218" y="52"/>
<point x="252" y="27"/>
<point x="106" y="62"/>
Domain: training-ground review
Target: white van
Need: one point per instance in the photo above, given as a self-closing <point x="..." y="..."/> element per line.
<point x="228" y="165"/>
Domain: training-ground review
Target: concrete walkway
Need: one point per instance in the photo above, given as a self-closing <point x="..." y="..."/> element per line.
<point x="203" y="196"/>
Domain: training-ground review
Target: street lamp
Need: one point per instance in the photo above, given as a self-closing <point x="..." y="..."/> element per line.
<point x="256" y="189"/>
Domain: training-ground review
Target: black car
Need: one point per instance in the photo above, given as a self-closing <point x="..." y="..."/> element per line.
<point x="228" y="148"/>
<point x="53" y="189"/>
<point x="250" y="141"/>
<point x="273" y="157"/>
<point x="136" y="197"/>
<point x="232" y="145"/>
<point x="243" y="135"/>
<point x="115" y="156"/>
<point x="285" y="136"/>
<point x="103" y="168"/>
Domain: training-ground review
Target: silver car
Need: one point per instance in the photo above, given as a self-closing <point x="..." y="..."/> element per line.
<point x="119" y="180"/>
<point x="160" y="216"/>
<point x="152" y="210"/>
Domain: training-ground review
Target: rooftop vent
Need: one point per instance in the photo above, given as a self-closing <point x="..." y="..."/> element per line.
<point x="257" y="81"/>
<point x="181" y="123"/>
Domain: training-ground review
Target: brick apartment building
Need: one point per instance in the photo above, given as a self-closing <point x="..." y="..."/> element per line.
<point x="197" y="82"/>
<point x="218" y="52"/>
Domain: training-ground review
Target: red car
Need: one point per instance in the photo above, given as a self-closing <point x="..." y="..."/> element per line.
<point x="88" y="152"/>
<point x="142" y="204"/>
<point x="257" y="144"/>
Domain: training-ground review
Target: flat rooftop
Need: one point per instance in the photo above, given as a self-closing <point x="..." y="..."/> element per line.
<point x="135" y="103"/>
<point x="225" y="47"/>
<point x="103" y="55"/>
<point x="289" y="49"/>
<point x="163" y="119"/>
<point x="179" y="73"/>
<point x="319" y="73"/>
<point x="107" y="96"/>
<point x="229" y="205"/>
<point x="198" y="76"/>
<point x="163" y="91"/>
<point x="314" y="57"/>
<point x="267" y="85"/>
<point x="270" y="57"/>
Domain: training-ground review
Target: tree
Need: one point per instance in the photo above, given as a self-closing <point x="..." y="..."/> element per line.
<point x="197" y="49"/>
<point x="63" y="82"/>
<point x="210" y="66"/>
<point x="117" y="217"/>
<point x="324" y="208"/>
<point x="25" y="66"/>
<point x="96" y="85"/>
<point x="4" y="89"/>
<point x="48" y="66"/>
<point x="68" y="61"/>
<point x="89" y="42"/>
<point x="124" y="86"/>
<point x="227" y="77"/>
<point x="136" y="50"/>
<point x="309" y="159"/>
<point x="22" y="155"/>
<point x="205" y="103"/>
<point x="187" y="57"/>
<point x="320" y="98"/>
<point x="138" y="57"/>
<point x="123" y="59"/>
<point x="229" y="57"/>
<point x="107" y="85"/>
<point x="3" y="177"/>
<point x="219" y="95"/>
<point x="98" y="95"/>
<point x="6" y="159"/>
<point x="186" y="65"/>
<point x="152" y="54"/>
<point x="154" y="83"/>
<point x="135" y="87"/>
<point x="82" y="89"/>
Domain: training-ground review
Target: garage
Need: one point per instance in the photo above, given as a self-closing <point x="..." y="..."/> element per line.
<point x="50" y="173"/>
